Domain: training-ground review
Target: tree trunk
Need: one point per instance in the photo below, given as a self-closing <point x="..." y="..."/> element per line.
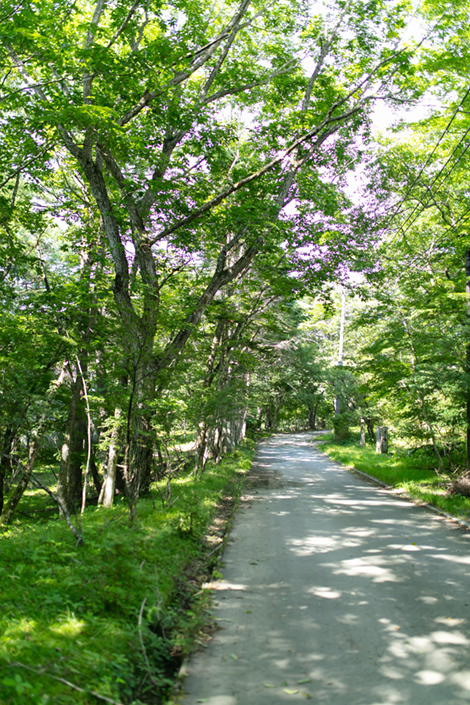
<point x="5" y="458"/>
<point x="363" y="434"/>
<point x="13" y="501"/>
<point x="467" y="353"/>
<point x="381" y="444"/>
<point x="312" y="415"/>
<point x="138" y="466"/>
<point x="95" y="475"/>
<point x="109" y="483"/>
<point x="370" y="429"/>
<point x="69" y="488"/>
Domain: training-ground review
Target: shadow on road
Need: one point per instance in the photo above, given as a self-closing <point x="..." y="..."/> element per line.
<point x="336" y="591"/>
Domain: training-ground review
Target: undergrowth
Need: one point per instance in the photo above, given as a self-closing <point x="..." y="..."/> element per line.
<point x="112" y="618"/>
<point x="412" y="472"/>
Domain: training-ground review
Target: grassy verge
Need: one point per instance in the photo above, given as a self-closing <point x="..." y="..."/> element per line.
<point x="415" y="474"/>
<point x="110" y="621"/>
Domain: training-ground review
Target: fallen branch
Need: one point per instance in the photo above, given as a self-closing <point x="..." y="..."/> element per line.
<point x="42" y="671"/>
<point x="141" y="639"/>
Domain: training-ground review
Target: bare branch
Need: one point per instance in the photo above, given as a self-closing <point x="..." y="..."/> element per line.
<point x="200" y="57"/>
<point x="248" y="86"/>
<point x="123" y="26"/>
<point x="88" y="79"/>
<point x="94" y="23"/>
<point x="27" y="163"/>
<point x="220" y="278"/>
<point x="42" y="671"/>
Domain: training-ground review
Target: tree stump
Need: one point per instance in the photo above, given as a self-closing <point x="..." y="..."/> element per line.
<point x="381" y="439"/>
<point x="362" y="442"/>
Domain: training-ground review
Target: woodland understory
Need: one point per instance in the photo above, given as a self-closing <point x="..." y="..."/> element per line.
<point x="218" y="220"/>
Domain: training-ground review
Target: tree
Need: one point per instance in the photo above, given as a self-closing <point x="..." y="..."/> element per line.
<point x="191" y="128"/>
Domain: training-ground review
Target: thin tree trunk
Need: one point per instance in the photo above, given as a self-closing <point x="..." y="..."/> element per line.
<point x="95" y="475"/>
<point x="467" y="353"/>
<point x="109" y="484"/>
<point x="312" y="416"/>
<point x="5" y="458"/>
<point x="69" y="487"/>
<point x="363" y="434"/>
<point x="14" y="499"/>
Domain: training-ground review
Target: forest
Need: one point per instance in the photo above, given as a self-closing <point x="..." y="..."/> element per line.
<point x="201" y="204"/>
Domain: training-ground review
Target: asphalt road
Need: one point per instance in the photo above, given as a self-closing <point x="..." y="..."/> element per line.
<point x="337" y="591"/>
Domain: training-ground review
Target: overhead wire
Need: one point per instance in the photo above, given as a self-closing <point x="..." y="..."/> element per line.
<point x="462" y="220"/>
<point x="404" y="230"/>
<point x="415" y="181"/>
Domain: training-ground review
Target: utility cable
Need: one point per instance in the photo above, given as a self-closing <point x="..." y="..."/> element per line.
<point x="446" y="130"/>
<point x="404" y="230"/>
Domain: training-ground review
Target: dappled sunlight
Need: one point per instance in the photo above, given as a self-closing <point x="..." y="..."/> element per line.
<point x="313" y="544"/>
<point x="427" y="599"/>
<point x="18" y="628"/>
<point x="365" y="567"/>
<point x="325" y="592"/>
<point x="224" y="585"/>
<point x="463" y="560"/>
<point x="338" y="592"/>
<point x="68" y="626"/>
<point x="462" y="679"/>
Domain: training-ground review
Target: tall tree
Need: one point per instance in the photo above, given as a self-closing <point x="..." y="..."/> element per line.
<point x="192" y="126"/>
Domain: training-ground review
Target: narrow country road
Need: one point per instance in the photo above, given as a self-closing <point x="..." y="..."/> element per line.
<point x="337" y="591"/>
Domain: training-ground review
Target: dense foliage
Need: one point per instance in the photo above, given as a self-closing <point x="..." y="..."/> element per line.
<point x="187" y="189"/>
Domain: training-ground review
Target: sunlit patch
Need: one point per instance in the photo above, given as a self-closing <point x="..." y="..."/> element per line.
<point x="390" y="626"/>
<point x="449" y="638"/>
<point x="224" y="585"/>
<point x="449" y="621"/>
<point x="454" y="559"/>
<point x="363" y="503"/>
<point x="399" y="650"/>
<point x="427" y="599"/>
<point x="313" y="544"/>
<point x="462" y="679"/>
<point x="421" y="644"/>
<point x="359" y="533"/>
<point x="18" y="628"/>
<point x="429" y="677"/>
<point x="350" y="619"/>
<point x="390" y="672"/>
<point x="326" y="592"/>
<point x="68" y="626"/>
<point x="367" y="568"/>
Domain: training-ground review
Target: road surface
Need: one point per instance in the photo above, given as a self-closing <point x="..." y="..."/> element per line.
<point x="335" y="591"/>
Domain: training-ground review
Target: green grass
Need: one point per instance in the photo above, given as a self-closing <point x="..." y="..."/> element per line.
<point x="115" y="615"/>
<point x="415" y="474"/>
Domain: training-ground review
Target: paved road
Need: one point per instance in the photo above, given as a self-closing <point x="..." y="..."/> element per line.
<point x="336" y="591"/>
